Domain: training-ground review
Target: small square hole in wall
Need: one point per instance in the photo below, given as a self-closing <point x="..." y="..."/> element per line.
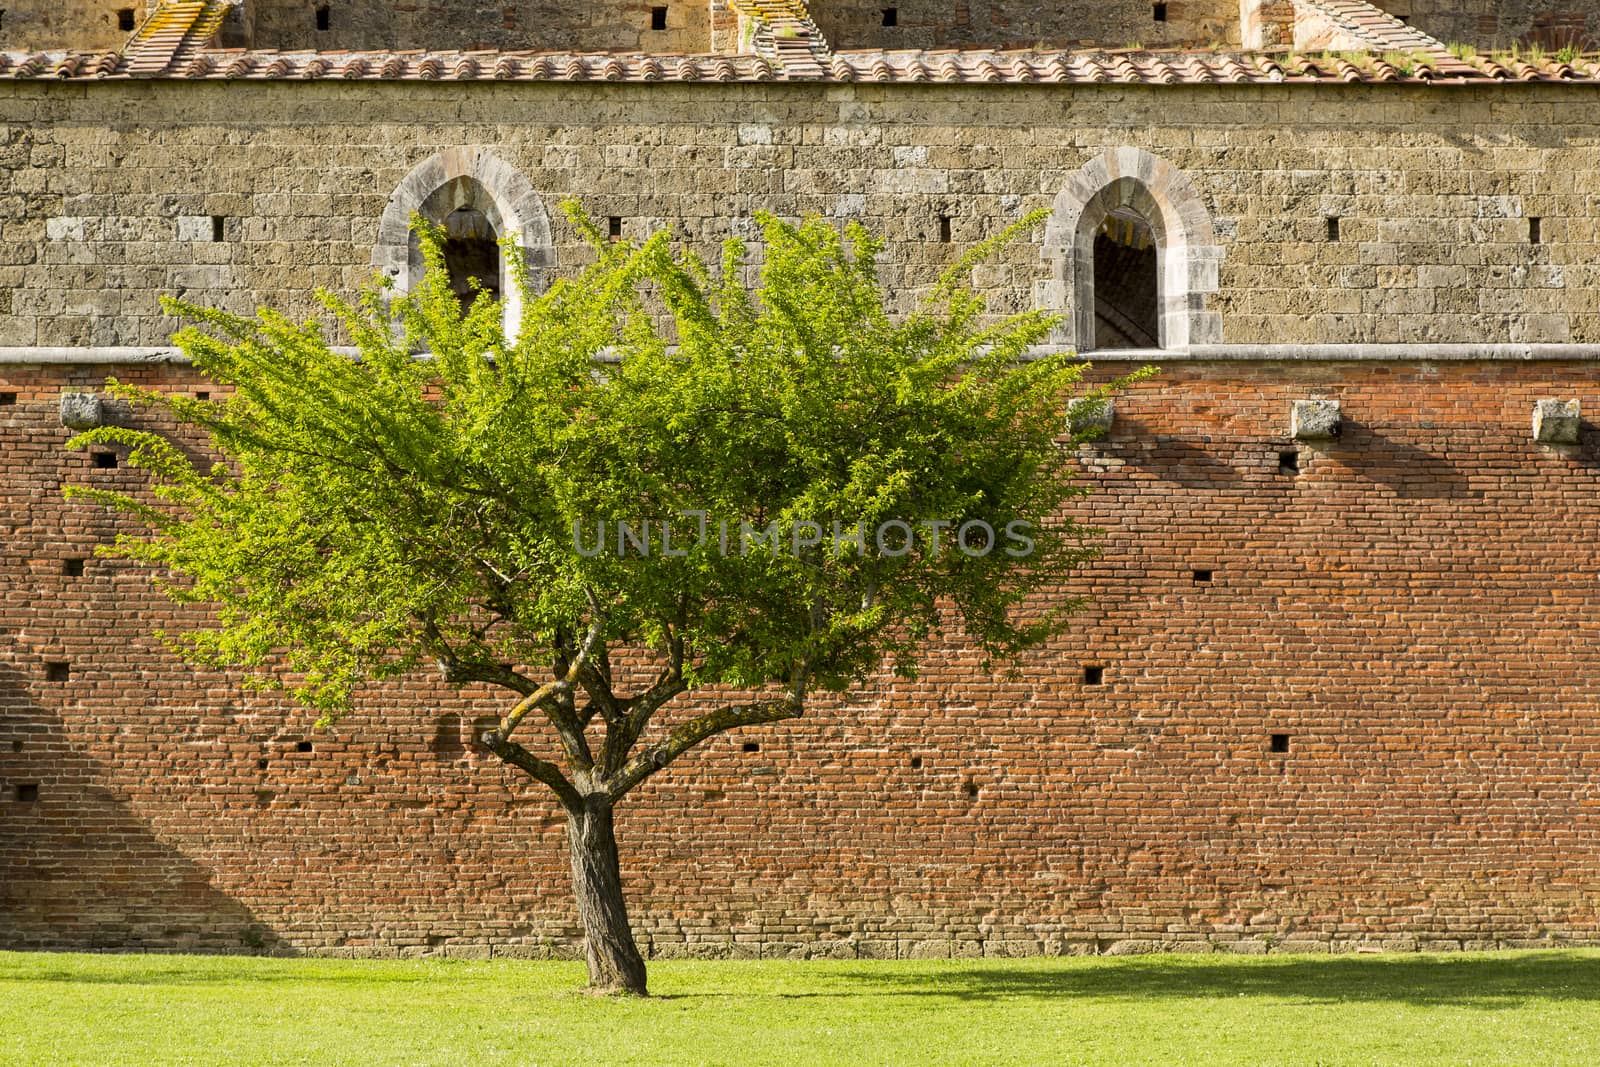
<point x="752" y="746"/>
<point x="218" y="225"/>
<point x="1288" y="463"/>
<point x="16" y="746"/>
<point x="916" y="763"/>
<point x="322" y="17"/>
<point x="1333" y="227"/>
<point x="1094" y="676"/>
<point x="103" y="460"/>
<point x="72" y="568"/>
<point x="891" y="16"/>
<point x="1159" y="12"/>
<point x="1278" y="743"/>
<point x="614" y="227"/>
<point x="201" y="394"/>
<point x="658" y="18"/>
<point x="1202" y="577"/>
<point x="970" y="788"/>
<point x="125" y="19"/>
<point x="302" y="746"/>
<point x="28" y="793"/>
<point x="7" y="399"/>
<point x="261" y="764"/>
<point x="57" y="672"/>
<point x="1535" y="230"/>
<point x="944" y="229"/>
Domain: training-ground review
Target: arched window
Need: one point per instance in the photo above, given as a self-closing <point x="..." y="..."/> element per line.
<point x="477" y="198"/>
<point x="1125" y="284"/>
<point x="1133" y="255"/>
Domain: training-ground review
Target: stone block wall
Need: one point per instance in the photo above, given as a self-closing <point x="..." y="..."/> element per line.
<point x="112" y="194"/>
<point x="851" y="24"/>
<point x="612" y="26"/>
<point x="31" y="25"/>
<point x="1495" y="24"/>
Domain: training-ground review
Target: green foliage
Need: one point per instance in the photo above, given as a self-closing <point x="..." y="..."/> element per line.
<point x="379" y="513"/>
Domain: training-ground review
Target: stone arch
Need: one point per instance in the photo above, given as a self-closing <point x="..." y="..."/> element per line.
<point x="1188" y="258"/>
<point x="475" y="179"/>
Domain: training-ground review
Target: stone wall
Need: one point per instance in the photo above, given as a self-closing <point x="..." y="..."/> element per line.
<point x="1410" y="607"/>
<point x="1027" y="24"/>
<point x="112" y="193"/>
<point x="1488" y="24"/>
<point x="613" y="26"/>
<point x="28" y="25"/>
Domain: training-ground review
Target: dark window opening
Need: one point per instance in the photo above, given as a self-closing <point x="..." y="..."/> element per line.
<point x="302" y="746"/>
<point x="201" y="394"/>
<point x="72" y="568"/>
<point x="1279" y="743"/>
<point x="322" y="17"/>
<point x="970" y="788"/>
<point x="1125" y="290"/>
<point x="1288" y="463"/>
<point x="471" y="255"/>
<point x="261" y="764"/>
<point x="103" y="460"/>
<point x="1535" y="230"/>
<point x="916" y="763"/>
<point x="16" y="746"/>
<point x="217" y="222"/>
<point x="1094" y="675"/>
<point x="57" y="672"/>
<point x="752" y="746"/>
<point x="614" y="227"/>
<point x="891" y="16"/>
<point x="7" y="399"/>
<point x="1201" y="577"/>
<point x="944" y="229"/>
<point x="1159" y="12"/>
<point x="125" y="19"/>
<point x="1333" y="227"/>
<point x="29" y="793"/>
<point x="658" y="18"/>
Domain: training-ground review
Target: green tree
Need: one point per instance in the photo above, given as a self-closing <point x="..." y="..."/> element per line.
<point x="790" y="493"/>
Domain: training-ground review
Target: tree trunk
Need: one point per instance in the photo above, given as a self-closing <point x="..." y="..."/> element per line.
<point x="615" y="965"/>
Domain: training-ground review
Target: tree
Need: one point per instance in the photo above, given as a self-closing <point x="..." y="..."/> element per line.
<point x="795" y="489"/>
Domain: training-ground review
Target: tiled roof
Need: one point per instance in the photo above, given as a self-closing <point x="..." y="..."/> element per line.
<point x="965" y="67"/>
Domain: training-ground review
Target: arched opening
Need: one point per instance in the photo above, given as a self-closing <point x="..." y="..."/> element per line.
<point x="1126" y="290"/>
<point x="477" y="199"/>
<point x="1133" y="257"/>
<point x="471" y="255"/>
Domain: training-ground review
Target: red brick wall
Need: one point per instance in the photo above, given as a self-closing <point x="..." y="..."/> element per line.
<point x="1416" y="609"/>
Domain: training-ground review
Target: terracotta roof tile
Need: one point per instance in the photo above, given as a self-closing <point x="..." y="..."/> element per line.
<point x="904" y="67"/>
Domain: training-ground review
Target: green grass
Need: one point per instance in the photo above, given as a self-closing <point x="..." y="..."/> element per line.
<point x="1515" y="1008"/>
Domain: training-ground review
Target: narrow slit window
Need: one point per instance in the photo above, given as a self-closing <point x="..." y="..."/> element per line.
<point x="658" y="18"/>
<point x="891" y="16"/>
<point x="125" y="19"/>
<point x="1333" y="227"/>
<point x="1159" y="12"/>
<point x="614" y="227"/>
<point x="944" y="229"/>
<point x="1535" y="230"/>
<point x="323" y="21"/>
<point x="218" y="227"/>
<point x="1125" y="282"/>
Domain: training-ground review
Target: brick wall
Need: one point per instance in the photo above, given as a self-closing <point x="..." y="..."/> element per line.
<point x="1415" y="610"/>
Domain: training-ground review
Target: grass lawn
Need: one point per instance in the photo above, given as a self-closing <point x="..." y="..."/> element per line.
<point x="1506" y="1008"/>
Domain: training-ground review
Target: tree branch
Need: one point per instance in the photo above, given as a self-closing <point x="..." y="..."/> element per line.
<point x="539" y="769"/>
<point x="791" y="705"/>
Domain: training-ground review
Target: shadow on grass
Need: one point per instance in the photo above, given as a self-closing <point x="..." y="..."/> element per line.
<point x="1464" y="981"/>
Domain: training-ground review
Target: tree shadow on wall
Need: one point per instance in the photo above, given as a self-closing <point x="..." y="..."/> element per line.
<point x="1487" y="982"/>
<point x="1186" y="462"/>
<point x="1412" y="472"/>
<point x="79" y="870"/>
